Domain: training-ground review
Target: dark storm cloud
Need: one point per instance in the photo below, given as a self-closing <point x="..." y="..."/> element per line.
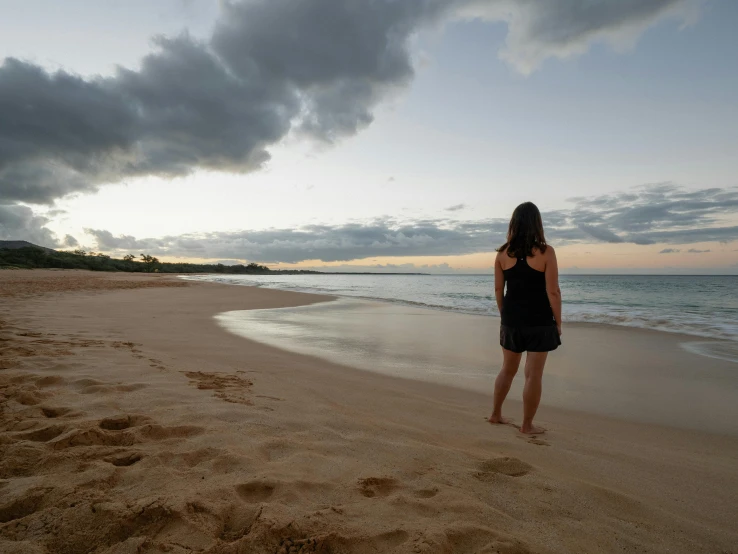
<point x="697" y="251"/>
<point x="657" y="212"/>
<point x="319" y="66"/>
<point x="270" y="67"/>
<point x="341" y="56"/>
<point x="56" y="131"/>
<point x="669" y="251"/>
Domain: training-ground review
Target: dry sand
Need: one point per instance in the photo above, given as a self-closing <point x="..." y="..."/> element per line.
<point x="130" y="422"/>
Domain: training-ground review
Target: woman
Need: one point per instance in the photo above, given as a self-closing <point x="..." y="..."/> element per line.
<point x="530" y="310"/>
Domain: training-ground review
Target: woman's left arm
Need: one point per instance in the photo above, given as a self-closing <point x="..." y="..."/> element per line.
<point x="499" y="283"/>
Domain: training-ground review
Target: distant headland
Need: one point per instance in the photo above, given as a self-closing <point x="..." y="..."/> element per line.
<point x="21" y="254"/>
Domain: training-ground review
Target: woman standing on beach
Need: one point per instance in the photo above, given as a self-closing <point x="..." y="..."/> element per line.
<point x="530" y="310"/>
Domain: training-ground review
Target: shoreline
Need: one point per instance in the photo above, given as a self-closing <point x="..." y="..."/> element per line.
<point x="268" y="445"/>
<point x="618" y="372"/>
<point x="696" y="335"/>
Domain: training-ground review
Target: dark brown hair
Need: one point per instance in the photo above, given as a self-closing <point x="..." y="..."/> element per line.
<point x="525" y="232"/>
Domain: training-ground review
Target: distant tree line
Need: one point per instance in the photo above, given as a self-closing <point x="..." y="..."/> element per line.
<point x="33" y="257"/>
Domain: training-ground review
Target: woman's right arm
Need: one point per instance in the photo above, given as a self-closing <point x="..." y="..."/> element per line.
<point x="552" y="285"/>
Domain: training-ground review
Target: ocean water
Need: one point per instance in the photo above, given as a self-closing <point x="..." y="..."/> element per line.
<point x="703" y="306"/>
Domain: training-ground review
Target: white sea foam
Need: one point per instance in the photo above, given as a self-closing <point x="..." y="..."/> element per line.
<point x="721" y="350"/>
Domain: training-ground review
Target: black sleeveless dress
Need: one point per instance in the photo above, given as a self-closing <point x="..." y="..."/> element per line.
<point x="528" y="323"/>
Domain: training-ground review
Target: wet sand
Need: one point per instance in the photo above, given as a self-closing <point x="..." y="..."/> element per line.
<point x="633" y="374"/>
<point x="132" y="422"/>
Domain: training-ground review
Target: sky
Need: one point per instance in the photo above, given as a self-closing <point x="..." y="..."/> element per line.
<point x="378" y="135"/>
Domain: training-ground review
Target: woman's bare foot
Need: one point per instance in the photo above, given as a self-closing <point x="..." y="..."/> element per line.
<point x="531" y="430"/>
<point x="499" y="420"/>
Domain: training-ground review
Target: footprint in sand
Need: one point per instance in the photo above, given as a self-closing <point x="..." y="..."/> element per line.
<point x="372" y="487"/>
<point x="130" y="388"/>
<point x="226" y="386"/>
<point x="54" y="412"/>
<point x="115" y="423"/>
<point x="512" y="467"/>
<point x="24" y="506"/>
<point x="125" y="459"/>
<point x="216" y="381"/>
<point x="123" y="422"/>
<point x="425" y="493"/>
<point x="255" y="491"/>
<point x="86" y="382"/>
<point x="302" y="546"/>
<point x="159" y="432"/>
<point x="42" y="435"/>
<point x="28" y="397"/>
<point x="476" y="538"/>
<point x="388" y="541"/>
<point x="534" y="440"/>
<point x="158" y="364"/>
<point x="93" y="437"/>
<point x="50" y="381"/>
<point x="191" y="458"/>
<point x="124" y="430"/>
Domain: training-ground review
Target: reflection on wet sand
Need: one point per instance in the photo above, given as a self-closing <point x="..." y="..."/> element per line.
<point x="627" y="373"/>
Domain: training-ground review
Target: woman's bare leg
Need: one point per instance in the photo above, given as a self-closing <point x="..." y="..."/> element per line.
<point x="534" y="363"/>
<point x="510" y="364"/>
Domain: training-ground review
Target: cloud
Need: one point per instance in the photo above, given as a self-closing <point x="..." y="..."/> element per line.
<point x="456" y="208"/>
<point x="442" y="268"/>
<point x="697" y="251"/>
<point x="669" y="251"/>
<point x="271" y="67"/>
<point x="70" y="242"/>
<point x="600" y="233"/>
<point x="19" y="222"/>
<point x="316" y="67"/>
<point x="538" y="30"/>
<point x="57" y="132"/>
<point x="645" y="215"/>
<point x="662" y="212"/>
<point x="382" y="237"/>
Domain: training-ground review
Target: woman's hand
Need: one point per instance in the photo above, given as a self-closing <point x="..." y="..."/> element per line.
<point x="558" y="327"/>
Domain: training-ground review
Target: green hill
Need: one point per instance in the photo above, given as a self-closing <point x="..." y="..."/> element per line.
<point x="19" y="254"/>
<point x="15" y="244"/>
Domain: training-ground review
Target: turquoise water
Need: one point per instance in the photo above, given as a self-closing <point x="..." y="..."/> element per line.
<point x="703" y="306"/>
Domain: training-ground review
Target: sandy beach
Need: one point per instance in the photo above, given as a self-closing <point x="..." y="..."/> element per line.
<point x="131" y="421"/>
